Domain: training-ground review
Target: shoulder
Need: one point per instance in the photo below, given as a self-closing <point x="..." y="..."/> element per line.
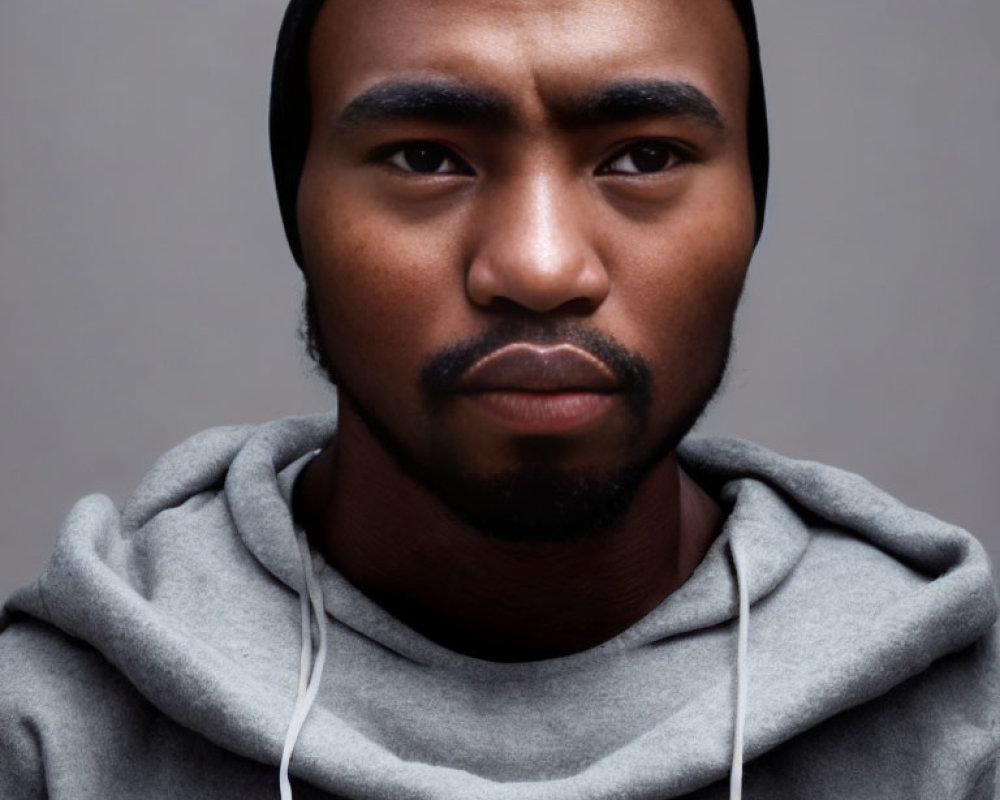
<point x="935" y="735"/>
<point x="57" y="694"/>
<point x="73" y="726"/>
<point x="865" y="612"/>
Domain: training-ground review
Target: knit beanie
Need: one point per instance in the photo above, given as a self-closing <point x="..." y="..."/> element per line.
<point x="289" y="119"/>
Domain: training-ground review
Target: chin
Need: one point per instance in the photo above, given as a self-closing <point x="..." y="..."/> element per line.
<point x="542" y="493"/>
<point x="541" y="504"/>
<point x="538" y="500"/>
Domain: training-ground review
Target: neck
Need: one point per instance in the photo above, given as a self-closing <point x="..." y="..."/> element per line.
<point x="492" y="599"/>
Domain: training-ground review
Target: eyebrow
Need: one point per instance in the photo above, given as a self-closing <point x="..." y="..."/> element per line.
<point x="457" y="103"/>
<point x="440" y="101"/>
<point x="630" y="100"/>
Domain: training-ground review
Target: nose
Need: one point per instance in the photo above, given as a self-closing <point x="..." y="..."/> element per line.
<point x="533" y="249"/>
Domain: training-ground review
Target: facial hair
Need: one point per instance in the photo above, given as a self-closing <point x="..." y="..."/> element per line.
<point x="539" y="501"/>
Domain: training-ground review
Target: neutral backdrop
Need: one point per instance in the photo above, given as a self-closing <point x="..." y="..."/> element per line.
<point x="146" y="291"/>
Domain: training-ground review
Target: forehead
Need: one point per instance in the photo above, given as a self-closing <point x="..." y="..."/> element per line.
<point x="528" y="50"/>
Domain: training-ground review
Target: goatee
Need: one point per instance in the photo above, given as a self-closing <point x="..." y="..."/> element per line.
<point x="539" y="501"/>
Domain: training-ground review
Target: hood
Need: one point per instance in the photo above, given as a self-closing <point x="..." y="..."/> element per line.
<point x="192" y="592"/>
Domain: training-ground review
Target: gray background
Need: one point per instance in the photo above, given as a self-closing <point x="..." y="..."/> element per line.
<point x="146" y="292"/>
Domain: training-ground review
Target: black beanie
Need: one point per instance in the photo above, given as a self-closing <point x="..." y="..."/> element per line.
<point x="289" y="122"/>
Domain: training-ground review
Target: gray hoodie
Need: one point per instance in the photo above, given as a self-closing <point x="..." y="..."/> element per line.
<point x="158" y="656"/>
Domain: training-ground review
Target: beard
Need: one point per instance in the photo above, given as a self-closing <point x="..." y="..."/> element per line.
<point x="539" y="501"/>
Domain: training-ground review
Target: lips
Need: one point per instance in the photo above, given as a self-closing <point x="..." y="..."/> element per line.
<point x="538" y="368"/>
<point x="540" y="390"/>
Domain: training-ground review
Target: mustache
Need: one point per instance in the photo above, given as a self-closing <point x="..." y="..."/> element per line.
<point x="441" y="373"/>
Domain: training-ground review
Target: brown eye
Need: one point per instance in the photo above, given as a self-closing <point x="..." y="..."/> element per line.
<point x="427" y="158"/>
<point x="642" y="158"/>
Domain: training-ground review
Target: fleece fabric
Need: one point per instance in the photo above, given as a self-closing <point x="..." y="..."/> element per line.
<point x="157" y="656"/>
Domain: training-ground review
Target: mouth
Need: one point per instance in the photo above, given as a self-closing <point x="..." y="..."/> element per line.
<point x="524" y="367"/>
<point x="540" y="389"/>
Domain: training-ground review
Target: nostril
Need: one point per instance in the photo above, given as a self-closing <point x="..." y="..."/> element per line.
<point x="578" y="280"/>
<point x="578" y="307"/>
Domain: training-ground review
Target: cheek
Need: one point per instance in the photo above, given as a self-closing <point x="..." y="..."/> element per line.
<point x="682" y="292"/>
<point x="378" y="288"/>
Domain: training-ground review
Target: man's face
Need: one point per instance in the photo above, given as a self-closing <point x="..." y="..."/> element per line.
<point x="526" y="226"/>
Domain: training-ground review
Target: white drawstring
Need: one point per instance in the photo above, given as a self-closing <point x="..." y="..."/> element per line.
<point x="310" y="672"/>
<point x="739" y="723"/>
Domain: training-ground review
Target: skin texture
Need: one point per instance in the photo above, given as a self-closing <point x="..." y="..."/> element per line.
<point x="540" y="219"/>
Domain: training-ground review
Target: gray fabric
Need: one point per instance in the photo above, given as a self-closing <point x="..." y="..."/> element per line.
<point x="157" y="656"/>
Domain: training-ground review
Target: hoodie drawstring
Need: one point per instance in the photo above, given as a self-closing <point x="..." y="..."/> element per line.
<point x="310" y="672"/>
<point x="739" y="721"/>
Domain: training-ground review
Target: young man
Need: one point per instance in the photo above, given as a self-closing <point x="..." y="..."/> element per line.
<point x="525" y="228"/>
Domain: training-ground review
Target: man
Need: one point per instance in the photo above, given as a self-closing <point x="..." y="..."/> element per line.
<point x="525" y="228"/>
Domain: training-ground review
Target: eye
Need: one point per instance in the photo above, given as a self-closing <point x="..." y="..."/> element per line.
<point x="642" y="158"/>
<point x="426" y="158"/>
